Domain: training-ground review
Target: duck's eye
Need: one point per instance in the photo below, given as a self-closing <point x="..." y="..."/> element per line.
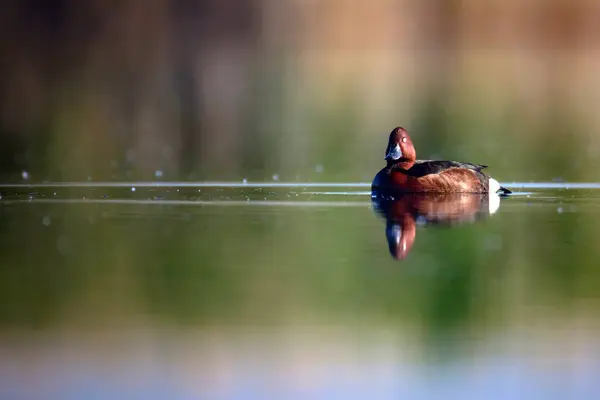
<point x="404" y="139"/>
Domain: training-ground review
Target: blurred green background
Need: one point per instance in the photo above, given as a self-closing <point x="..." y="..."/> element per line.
<point x="306" y="90"/>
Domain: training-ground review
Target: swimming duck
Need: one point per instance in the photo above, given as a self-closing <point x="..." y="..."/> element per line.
<point x="404" y="173"/>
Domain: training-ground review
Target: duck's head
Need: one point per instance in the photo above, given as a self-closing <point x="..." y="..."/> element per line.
<point x="400" y="147"/>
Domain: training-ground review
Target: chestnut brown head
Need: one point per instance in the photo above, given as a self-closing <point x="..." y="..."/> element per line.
<point x="400" y="147"/>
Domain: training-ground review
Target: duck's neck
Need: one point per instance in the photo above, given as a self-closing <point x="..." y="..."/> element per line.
<point x="402" y="163"/>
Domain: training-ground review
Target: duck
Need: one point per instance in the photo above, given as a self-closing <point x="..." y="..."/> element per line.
<point x="405" y="174"/>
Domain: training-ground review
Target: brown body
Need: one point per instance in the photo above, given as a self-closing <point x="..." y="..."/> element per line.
<point x="451" y="180"/>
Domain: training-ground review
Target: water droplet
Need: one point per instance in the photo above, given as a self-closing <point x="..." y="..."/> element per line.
<point x="25" y="175"/>
<point x="46" y="220"/>
<point x="275" y="177"/>
<point x="158" y="173"/>
<point x="133" y="189"/>
<point x="319" y="168"/>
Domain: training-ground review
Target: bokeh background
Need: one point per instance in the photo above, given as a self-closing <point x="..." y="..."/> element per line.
<point x="116" y="90"/>
<point x="101" y="300"/>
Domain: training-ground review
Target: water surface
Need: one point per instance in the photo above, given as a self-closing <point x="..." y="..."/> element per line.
<point x="222" y="291"/>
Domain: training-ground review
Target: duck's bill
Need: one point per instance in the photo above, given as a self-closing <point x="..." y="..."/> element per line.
<point x="394" y="153"/>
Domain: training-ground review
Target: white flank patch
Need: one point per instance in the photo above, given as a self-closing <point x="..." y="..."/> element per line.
<point x="494" y="199"/>
<point x="493" y="185"/>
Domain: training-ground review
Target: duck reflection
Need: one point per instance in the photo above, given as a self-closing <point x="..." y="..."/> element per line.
<point x="404" y="212"/>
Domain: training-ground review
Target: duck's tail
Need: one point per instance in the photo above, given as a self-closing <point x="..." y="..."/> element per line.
<point x="503" y="191"/>
<point x="495" y="187"/>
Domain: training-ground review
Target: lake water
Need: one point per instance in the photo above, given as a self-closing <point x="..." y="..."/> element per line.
<point x="253" y="291"/>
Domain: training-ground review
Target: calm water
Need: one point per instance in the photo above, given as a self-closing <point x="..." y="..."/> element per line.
<point x="294" y="291"/>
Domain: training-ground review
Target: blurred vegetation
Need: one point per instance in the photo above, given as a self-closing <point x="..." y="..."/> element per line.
<point x="210" y="90"/>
